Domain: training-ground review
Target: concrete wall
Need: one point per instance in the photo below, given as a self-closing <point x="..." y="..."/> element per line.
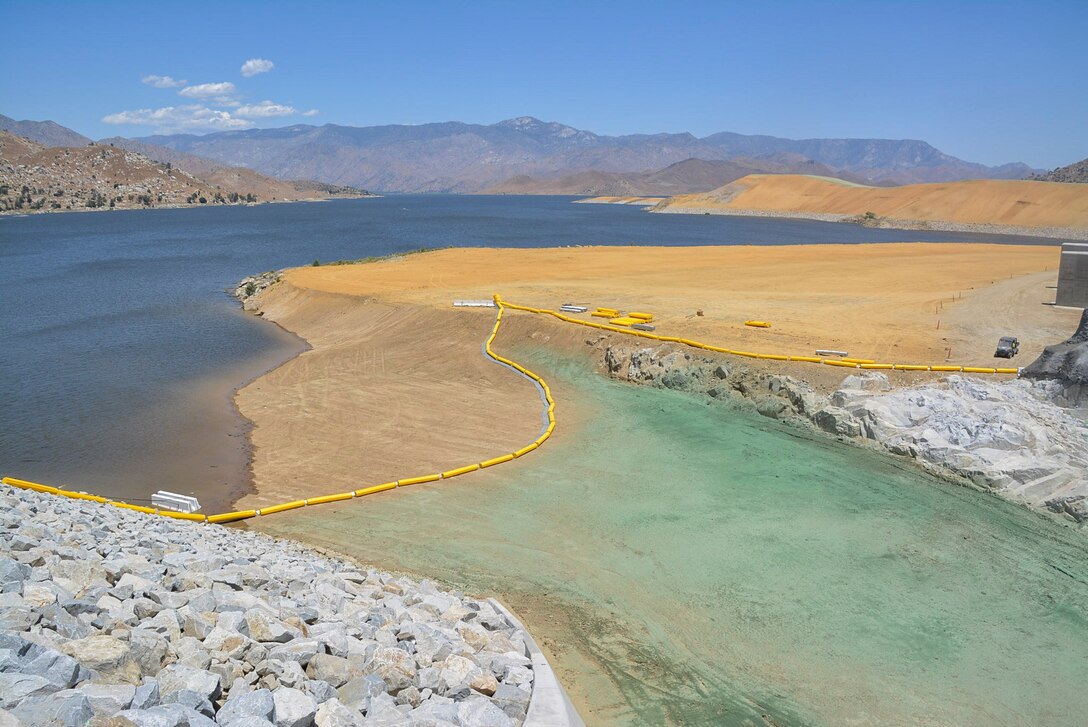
<point x="1073" y="275"/>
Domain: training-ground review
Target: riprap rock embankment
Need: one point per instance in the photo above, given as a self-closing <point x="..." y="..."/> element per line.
<point x="111" y="617"/>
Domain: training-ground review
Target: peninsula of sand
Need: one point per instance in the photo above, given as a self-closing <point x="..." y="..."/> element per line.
<point x="1043" y="209"/>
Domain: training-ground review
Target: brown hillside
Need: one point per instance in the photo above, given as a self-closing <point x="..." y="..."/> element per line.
<point x="985" y="201"/>
<point x="36" y="178"/>
<point x="1076" y="173"/>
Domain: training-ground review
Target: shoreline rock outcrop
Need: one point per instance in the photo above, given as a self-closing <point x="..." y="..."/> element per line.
<point x="1065" y="364"/>
<point x="1010" y="437"/>
<point x="110" y="617"/>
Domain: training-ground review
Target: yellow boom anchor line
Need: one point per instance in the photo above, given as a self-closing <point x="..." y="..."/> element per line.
<point x="863" y="364"/>
<point x="548" y="426"/>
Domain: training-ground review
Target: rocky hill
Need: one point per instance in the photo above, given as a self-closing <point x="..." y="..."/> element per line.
<point x="459" y="157"/>
<point x="38" y="178"/>
<point x="688" y="176"/>
<point x="1076" y="173"/>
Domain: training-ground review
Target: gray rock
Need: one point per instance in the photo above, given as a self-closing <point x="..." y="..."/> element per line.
<point x="108" y="699"/>
<point x="358" y="692"/>
<point x="835" y="420"/>
<point x="192" y="700"/>
<point x="146" y="695"/>
<point x="1065" y="362"/>
<point x="260" y="626"/>
<point x="335" y="713"/>
<point x="433" y="711"/>
<point x="480" y="712"/>
<point x="15" y="688"/>
<point x="321" y="691"/>
<point x="12" y="575"/>
<point x="514" y="701"/>
<point x="58" y="668"/>
<point x="384" y="710"/>
<point x="254" y="704"/>
<point x="167" y="715"/>
<point x="18" y="619"/>
<point x="180" y="676"/>
<point x="299" y="650"/>
<point x="149" y="650"/>
<point x="65" y="623"/>
<point x="61" y="709"/>
<point x="294" y="708"/>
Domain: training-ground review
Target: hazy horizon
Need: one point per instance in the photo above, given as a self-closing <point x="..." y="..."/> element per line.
<point x="989" y="83"/>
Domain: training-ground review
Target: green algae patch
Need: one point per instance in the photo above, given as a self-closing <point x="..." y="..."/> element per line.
<point x="688" y="562"/>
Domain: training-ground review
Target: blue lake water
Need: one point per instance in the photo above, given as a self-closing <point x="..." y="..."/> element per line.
<point x="119" y="347"/>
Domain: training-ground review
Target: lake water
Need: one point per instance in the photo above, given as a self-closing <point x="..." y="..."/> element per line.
<point x="704" y="566"/>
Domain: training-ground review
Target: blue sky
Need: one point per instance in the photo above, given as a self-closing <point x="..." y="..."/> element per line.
<point x="985" y="81"/>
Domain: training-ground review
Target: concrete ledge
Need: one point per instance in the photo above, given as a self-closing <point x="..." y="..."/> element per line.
<point x="549" y="706"/>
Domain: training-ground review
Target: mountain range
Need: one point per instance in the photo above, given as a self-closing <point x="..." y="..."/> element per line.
<point x="460" y="157"/>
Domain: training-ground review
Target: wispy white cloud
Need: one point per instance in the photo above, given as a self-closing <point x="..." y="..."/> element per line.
<point x="180" y="118"/>
<point x="162" y="81"/>
<point x="257" y="65"/>
<point x="311" y="112"/>
<point x="224" y="90"/>
<point x="265" y="110"/>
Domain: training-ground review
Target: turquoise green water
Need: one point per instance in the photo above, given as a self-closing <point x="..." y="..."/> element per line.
<point x="686" y="562"/>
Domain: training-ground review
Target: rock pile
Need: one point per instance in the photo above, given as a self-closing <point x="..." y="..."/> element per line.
<point x="1067" y="364"/>
<point x="250" y="286"/>
<point x="110" y="617"/>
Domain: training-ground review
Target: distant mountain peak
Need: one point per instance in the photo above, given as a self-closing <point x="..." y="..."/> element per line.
<point x="522" y="122"/>
<point x="531" y="124"/>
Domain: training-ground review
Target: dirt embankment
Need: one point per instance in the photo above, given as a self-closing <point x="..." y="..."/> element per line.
<point x="1045" y="208"/>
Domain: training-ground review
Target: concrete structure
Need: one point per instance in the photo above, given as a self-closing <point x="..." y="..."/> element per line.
<point x="1073" y="275"/>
